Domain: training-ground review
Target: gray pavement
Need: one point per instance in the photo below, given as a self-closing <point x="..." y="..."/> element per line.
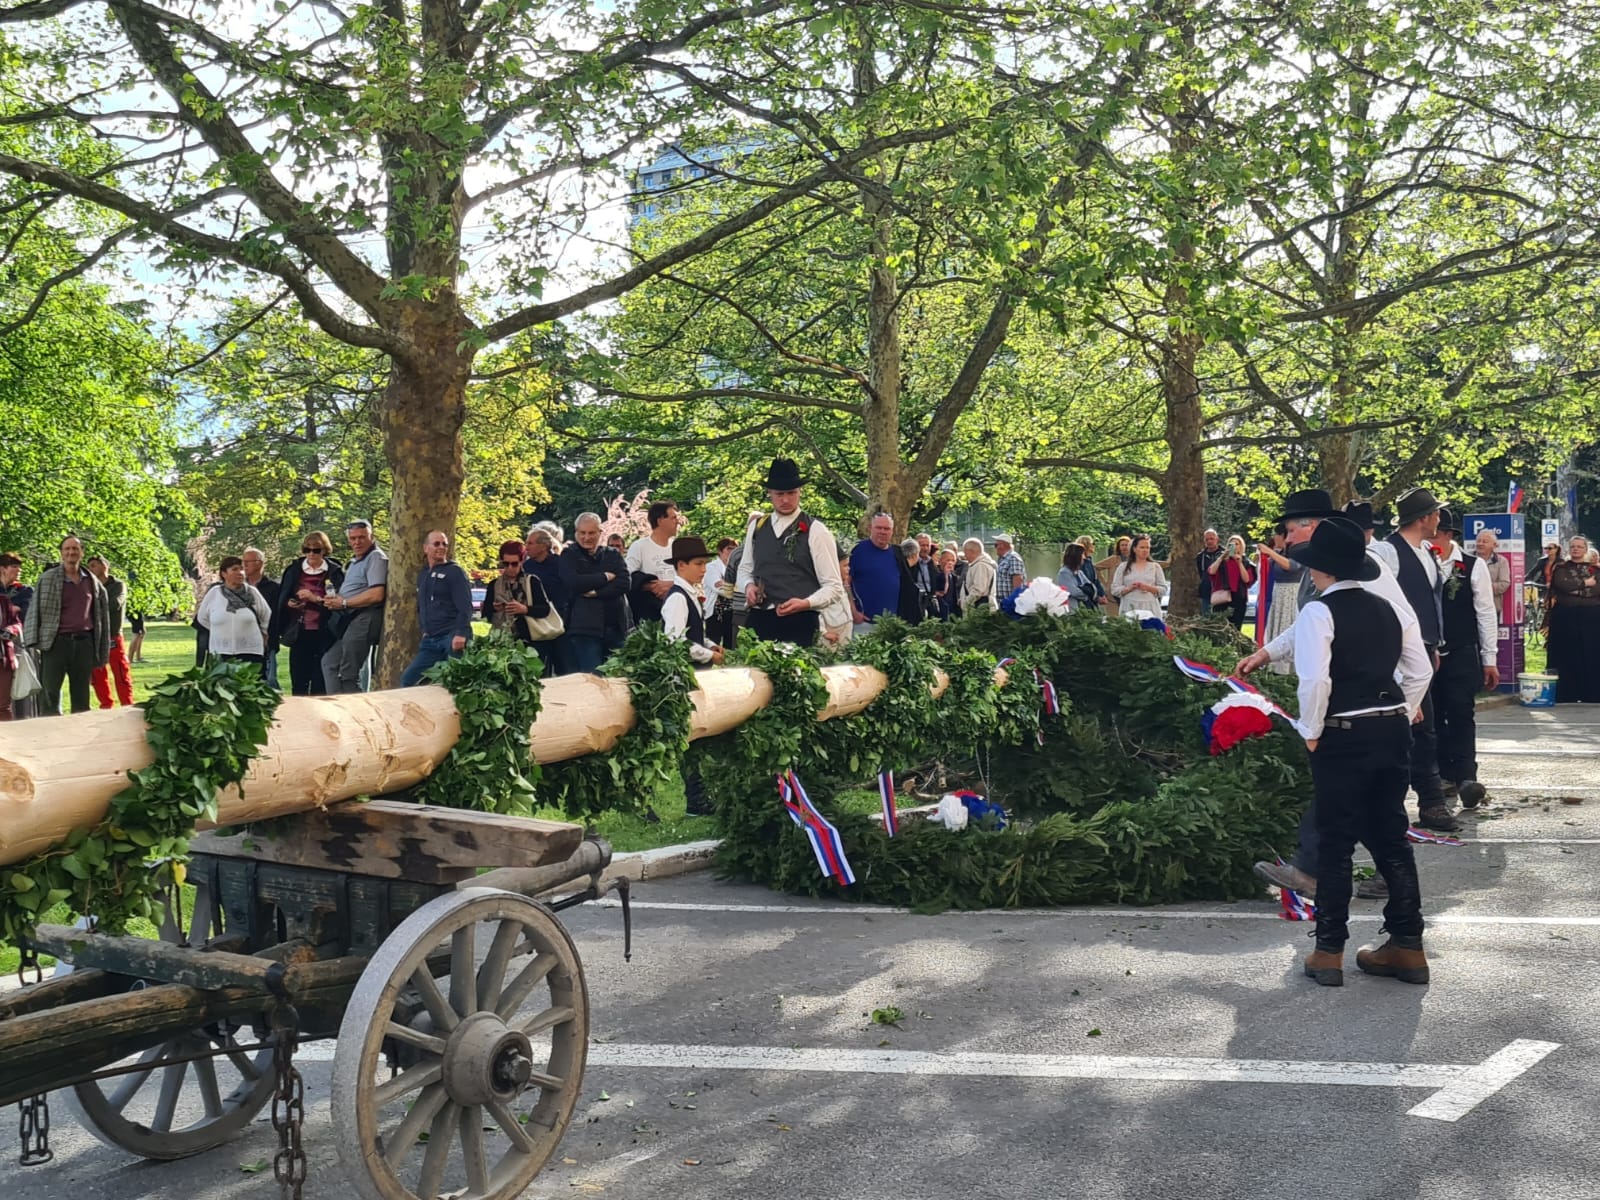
<point x="1074" y="1053"/>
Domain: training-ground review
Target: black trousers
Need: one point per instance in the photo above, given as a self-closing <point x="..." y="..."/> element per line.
<point x="1359" y="775"/>
<point x="69" y="660"/>
<point x="1425" y="754"/>
<point x="799" y="628"/>
<point x="1455" y="693"/>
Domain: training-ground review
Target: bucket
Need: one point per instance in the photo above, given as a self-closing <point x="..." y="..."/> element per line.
<point x="1537" y="691"/>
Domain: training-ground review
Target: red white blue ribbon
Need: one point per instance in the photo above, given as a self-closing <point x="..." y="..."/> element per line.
<point x="1205" y="674"/>
<point x="1048" y="696"/>
<point x="824" y="837"/>
<point x="1295" y="906"/>
<point x="891" y="817"/>
<point x="1413" y="834"/>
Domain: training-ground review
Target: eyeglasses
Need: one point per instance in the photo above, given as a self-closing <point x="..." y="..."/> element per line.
<point x="510" y="562"/>
<point x="310" y="549"/>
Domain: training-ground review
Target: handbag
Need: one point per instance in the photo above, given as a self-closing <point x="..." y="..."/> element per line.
<point x="1220" y="597"/>
<point x="25" y="682"/>
<point x="540" y="629"/>
<point x="290" y="634"/>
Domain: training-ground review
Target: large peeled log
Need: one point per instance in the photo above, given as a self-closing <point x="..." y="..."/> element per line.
<point x="58" y="774"/>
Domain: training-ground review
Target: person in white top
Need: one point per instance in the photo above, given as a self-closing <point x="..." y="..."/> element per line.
<point x="1468" y="660"/>
<point x="649" y="572"/>
<point x="1138" y="582"/>
<point x="719" y="596"/>
<point x="789" y="569"/>
<point x="235" y="615"/>
<point x="683" y="611"/>
<point x="1363" y="675"/>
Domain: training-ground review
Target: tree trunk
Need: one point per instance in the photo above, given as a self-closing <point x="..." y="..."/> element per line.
<point x="1183" y="484"/>
<point x="422" y="410"/>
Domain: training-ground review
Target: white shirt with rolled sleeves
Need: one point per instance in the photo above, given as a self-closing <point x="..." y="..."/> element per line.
<point x="1386" y="585"/>
<point x="675" y="619"/>
<point x="1313" y="647"/>
<point x="824" y="559"/>
<point x="1483" y="606"/>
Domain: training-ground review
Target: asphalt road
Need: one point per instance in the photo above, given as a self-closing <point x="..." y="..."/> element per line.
<point x="1160" y="1055"/>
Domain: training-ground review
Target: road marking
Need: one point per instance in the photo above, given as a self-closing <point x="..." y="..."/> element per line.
<point x="1147" y="914"/>
<point x="1459" y="1089"/>
<point x="1552" y="841"/>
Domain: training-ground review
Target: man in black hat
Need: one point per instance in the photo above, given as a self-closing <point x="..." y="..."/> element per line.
<point x="1363" y="675"/>
<point x="1407" y="553"/>
<point x="1468" y="660"/>
<point x="790" y="568"/>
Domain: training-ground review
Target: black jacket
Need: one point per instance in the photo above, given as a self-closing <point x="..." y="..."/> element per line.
<point x="591" y="616"/>
<point x="538" y="606"/>
<point x="282" y="615"/>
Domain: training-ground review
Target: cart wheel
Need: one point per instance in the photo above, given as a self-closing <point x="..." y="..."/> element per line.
<point x="490" y="1055"/>
<point x="172" y="1107"/>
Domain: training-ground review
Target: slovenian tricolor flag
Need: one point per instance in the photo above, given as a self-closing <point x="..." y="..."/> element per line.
<point x="820" y="832"/>
<point x="1514" y="498"/>
<point x="891" y="816"/>
<point x="1202" y="673"/>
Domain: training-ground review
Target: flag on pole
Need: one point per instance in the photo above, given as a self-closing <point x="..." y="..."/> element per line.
<point x="823" y="835"/>
<point x="891" y="817"/>
<point x="1514" y="498"/>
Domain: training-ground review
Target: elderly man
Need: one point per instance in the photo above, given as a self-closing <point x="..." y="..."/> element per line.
<point x="357" y="611"/>
<point x="595" y="580"/>
<point x="876" y="566"/>
<point x="444" y="608"/>
<point x="978" y="587"/>
<point x="255" y="574"/>
<point x="1487" y="547"/>
<point x="1211" y="550"/>
<point x="1009" y="572"/>
<point x="69" y="624"/>
<point x="789" y="571"/>
<point x="541" y="559"/>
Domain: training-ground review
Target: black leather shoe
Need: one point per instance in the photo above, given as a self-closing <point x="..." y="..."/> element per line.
<point x="1438" y="818"/>
<point x="1472" y="794"/>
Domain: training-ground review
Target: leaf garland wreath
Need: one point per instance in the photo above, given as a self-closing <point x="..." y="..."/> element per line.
<point x="204" y="727"/>
<point x="494" y="683"/>
<point x="660" y="677"/>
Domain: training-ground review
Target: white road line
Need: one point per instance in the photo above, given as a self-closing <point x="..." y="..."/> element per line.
<point x="1460" y="1088"/>
<point x="1455" y="1100"/>
<point x="1551" y="841"/>
<point x="1147" y="914"/>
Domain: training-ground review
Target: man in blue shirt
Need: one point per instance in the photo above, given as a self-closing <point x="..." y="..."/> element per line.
<point x="444" y="609"/>
<point x="875" y="569"/>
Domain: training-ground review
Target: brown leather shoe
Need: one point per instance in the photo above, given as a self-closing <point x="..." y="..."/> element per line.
<point x="1326" y="967"/>
<point x="1405" y="962"/>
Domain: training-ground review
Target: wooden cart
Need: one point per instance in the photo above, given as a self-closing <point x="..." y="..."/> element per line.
<point x="457" y="999"/>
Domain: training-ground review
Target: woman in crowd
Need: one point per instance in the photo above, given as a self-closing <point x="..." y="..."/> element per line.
<point x="1278" y="603"/>
<point x="136" y="647"/>
<point x="909" y="607"/>
<point x="541" y="559"/>
<point x="301" y="621"/>
<point x="1138" y="582"/>
<point x="950" y="594"/>
<point x="512" y="597"/>
<point x="10" y="631"/>
<point x="1487" y="547"/>
<point x="1107" y="566"/>
<point x="1072" y="577"/>
<point x="1090" y="570"/>
<point x="835" y="622"/>
<point x="1574" y="643"/>
<point x="1232" y="573"/>
<point x="18" y="595"/>
<point x="236" y="616"/>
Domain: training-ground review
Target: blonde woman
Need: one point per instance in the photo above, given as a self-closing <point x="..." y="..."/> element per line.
<point x="1231" y="572"/>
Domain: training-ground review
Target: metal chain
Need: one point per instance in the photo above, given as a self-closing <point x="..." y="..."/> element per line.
<point x="33" y="1123"/>
<point x="288" y="1105"/>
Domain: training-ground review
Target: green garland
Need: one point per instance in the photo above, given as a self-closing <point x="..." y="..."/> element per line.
<point x="660" y="678"/>
<point x="494" y="683"/>
<point x="204" y="726"/>
<point x="1121" y="803"/>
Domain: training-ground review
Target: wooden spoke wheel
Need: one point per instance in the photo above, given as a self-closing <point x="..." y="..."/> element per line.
<point x="190" y="1094"/>
<point x="461" y="1084"/>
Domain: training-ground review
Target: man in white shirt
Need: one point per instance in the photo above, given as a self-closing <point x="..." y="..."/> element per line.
<point x="789" y="570"/>
<point x="649" y="572"/>
<point x="1363" y="675"/>
<point x="1468" y="659"/>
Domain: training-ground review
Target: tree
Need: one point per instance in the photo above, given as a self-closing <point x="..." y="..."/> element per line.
<point x="412" y="174"/>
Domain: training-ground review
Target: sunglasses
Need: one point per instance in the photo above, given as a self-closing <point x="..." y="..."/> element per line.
<point x="310" y="549"/>
<point x="510" y="562"/>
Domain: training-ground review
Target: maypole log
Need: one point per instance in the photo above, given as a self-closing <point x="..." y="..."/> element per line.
<point x="60" y="774"/>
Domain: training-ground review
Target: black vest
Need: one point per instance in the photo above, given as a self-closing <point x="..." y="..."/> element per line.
<point x="1365" y="653"/>
<point x="1420" y="591"/>
<point x="1460" y="622"/>
<point x="695" y="632"/>
<point x="783" y="565"/>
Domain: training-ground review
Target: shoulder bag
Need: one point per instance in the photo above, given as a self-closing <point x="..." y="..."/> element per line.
<point x="540" y="629"/>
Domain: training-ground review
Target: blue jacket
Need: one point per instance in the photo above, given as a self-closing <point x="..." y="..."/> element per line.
<point x="444" y="601"/>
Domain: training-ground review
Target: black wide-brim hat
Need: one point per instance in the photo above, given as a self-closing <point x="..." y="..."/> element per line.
<point x="687" y="549"/>
<point x="1359" y="512"/>
<point x="1338" y="546"/>
<point x="783" y="476"/>
<point x="1414" y="505"/>
<point x="1448" y="521"/>
<point x="1311" y="502"/>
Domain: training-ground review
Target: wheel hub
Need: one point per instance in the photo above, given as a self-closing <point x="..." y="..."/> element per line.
<point x="486" y="1061"/>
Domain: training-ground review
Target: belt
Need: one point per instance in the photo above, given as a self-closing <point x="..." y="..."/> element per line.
<point x="1350" y="721"/>
<point x="75" y="636"/>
